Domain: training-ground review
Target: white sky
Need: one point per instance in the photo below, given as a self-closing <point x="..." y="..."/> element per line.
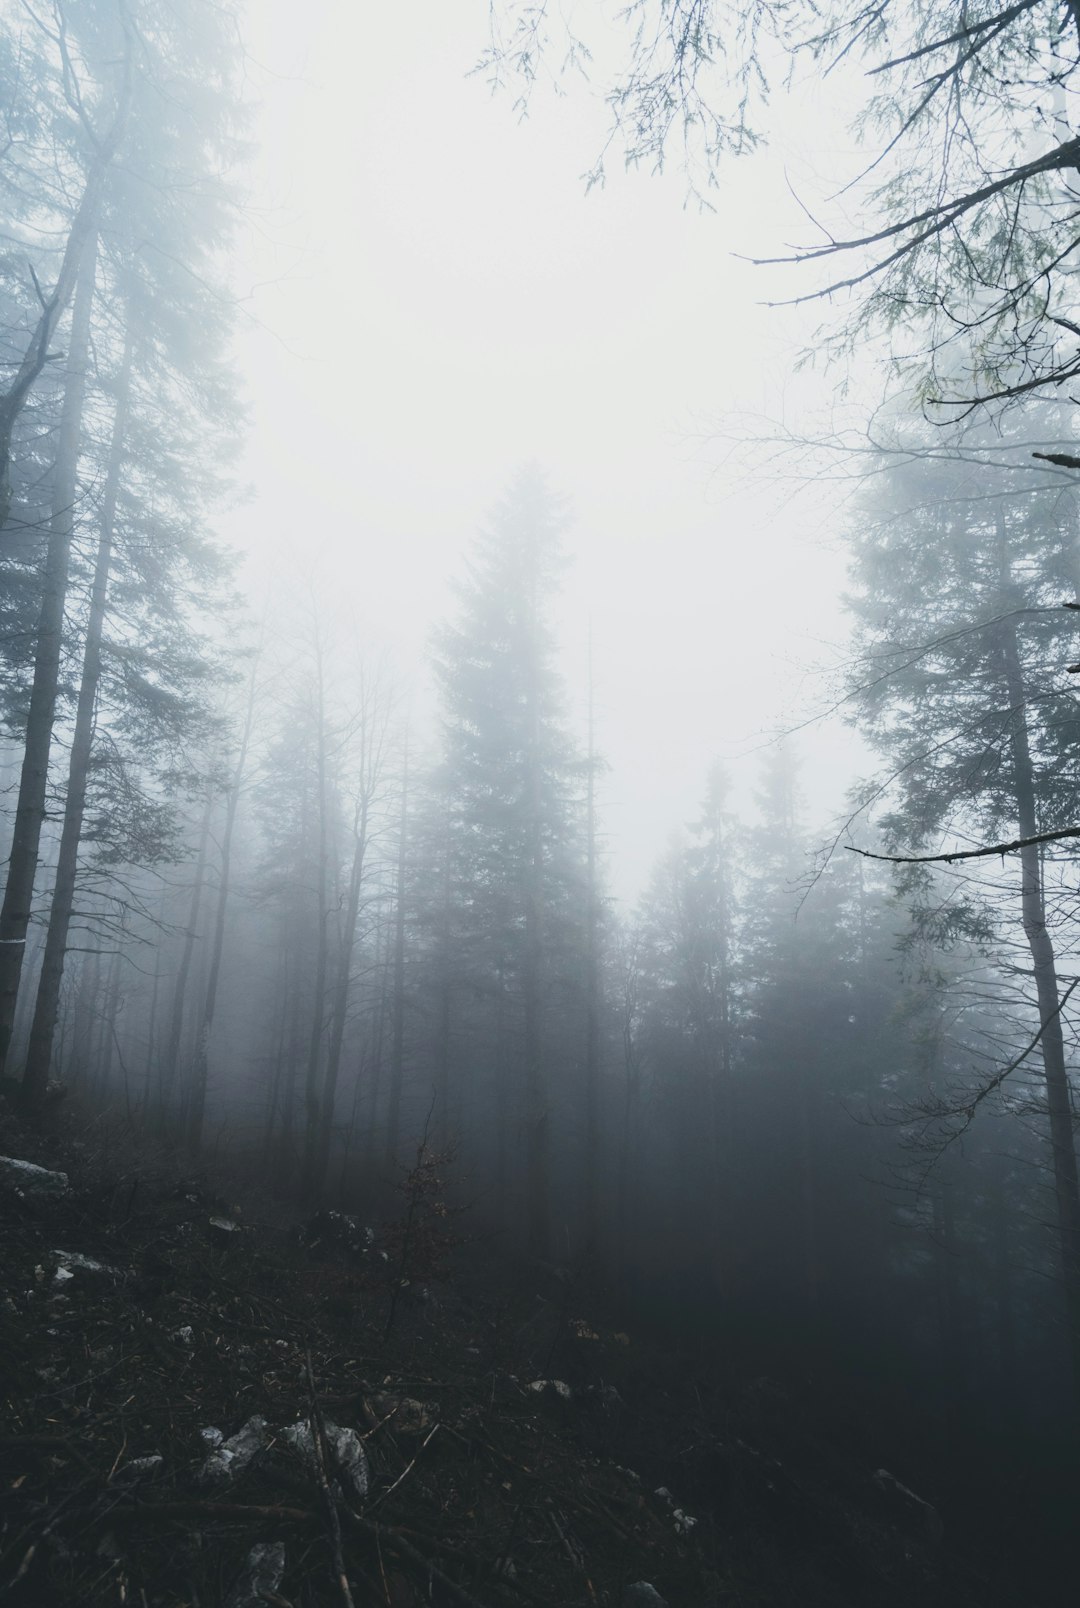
<point x="442" y="301"/>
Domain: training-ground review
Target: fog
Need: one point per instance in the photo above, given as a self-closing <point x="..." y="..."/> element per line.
<point x="538" y="589"/>
<point x="507" y="315"/>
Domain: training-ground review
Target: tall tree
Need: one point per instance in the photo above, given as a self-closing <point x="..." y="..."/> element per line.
<point x="508" y="776"/>
<point x="33" y="781"/>
<point x="145" y="274"/>
<point x="955" y="600"/>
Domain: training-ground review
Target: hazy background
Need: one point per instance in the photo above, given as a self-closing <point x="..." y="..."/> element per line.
<point x="436" y="298"/>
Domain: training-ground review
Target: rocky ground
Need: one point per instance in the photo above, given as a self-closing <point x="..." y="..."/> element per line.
<point x="203" y="1405"/>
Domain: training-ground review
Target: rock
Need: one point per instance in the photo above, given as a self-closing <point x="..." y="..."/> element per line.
<point x="642" y="1595"/>
<point x="261" y="1575"/>
<point x="559" y="1387"/>
<point x="347" y="1455"/>
<point x="71" y="1262"/>
<point x="906" y="1506"/>
<point x="234" y="1455"/>
<point x="223" y="1231"/>
<point x="28" y="1179"/>
<point x="213" y="1437"/>
<point x="683" y="1521"/>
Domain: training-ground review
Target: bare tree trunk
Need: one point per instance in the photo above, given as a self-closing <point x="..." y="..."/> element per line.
<point x="811" y="1261"/>
<point x="107" y="1037"/>
<point x="273" y="1093"/>
<point x="284" y="1149"/>
<point x="86" y="1007"/>
<point x="591" y="1169"/>
<point x="200" y="1067"/>
<point x="312" y="1087"/>
<point x="397" y="1053"/>
<point x="33" y="781"/>
<point x="151" y="1025"/>
<point x="372" y="1066"/>
<point x="626" y="1218"/>
<point x="39" y="1055"/>
<point x="340" y="1003"/>
<point x="171" y="1059"/>
<point x="442" y="1050"/>
<point x="1052" y="1044"/>
<point x="537" y="1115"/>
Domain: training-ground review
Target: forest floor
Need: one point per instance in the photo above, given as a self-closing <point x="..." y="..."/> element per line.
<point x="488" y="1446"/>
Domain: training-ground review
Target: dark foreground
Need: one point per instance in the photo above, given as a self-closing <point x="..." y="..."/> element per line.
<point x="639" y="1472"/>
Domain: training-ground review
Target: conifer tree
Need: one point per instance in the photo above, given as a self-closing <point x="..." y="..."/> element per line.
<point x="509" y="776"/>
<point x="957" y="597"/>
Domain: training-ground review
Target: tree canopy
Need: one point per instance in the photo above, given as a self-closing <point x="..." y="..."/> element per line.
<point x="964" y="180"/>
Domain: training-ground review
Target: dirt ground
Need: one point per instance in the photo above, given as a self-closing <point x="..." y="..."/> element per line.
<point x="461" y="1441"/>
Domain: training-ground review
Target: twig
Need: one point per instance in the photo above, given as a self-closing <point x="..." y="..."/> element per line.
<point x="455" y="1593"/>
<point x="411" y="1464"/>
<point x="223" y="1510"/>
<point x="318" y="1436"/>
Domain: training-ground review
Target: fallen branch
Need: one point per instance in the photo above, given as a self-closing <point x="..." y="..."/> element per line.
<point x="322" y="1466"/>
<point x="381" y="1534"/>
<point x="232" y="1511"/>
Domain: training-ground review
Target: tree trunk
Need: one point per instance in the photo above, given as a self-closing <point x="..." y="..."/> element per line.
<point x="171" y="1059"/>
<point x="397" y="1052"/>
<point x="340" y="1003"/>
<point x="1052" y="1044"/>
<point x="85" y="1015"/>
<point x="590" y="1170"/>
<point x="151" y="1022"/>
<point x="537" y="1116"/>
<point x="312" y="1088"/>
<point x="284" y="1149"/>
<point x="39" y="1055"/>
<point x="106" y="1050"/>
<point x="201" y="1064"/>
<point x="629" y="1182"/>
<point x="33" y="781"/>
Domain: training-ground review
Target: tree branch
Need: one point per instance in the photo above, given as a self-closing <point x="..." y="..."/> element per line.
<point x="969" y="854"/>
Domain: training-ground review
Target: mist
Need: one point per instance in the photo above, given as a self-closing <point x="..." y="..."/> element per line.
<point x="539" y="745"/>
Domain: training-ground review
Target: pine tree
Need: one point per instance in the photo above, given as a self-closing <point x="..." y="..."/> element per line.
<point x="957" y="598"/>
<point x="509" y="777"/>
<point x="145" y="281"/>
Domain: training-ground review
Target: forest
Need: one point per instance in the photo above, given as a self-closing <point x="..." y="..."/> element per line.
<point x="328" y="987"/>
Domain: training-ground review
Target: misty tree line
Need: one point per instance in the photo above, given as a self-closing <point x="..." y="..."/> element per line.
<point x="253" y="907"/>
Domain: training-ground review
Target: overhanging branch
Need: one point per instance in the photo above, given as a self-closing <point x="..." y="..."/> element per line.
<point x="969" y="854"/>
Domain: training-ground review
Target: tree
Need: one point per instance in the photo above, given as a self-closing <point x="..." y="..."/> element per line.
<point x="959" y="690"/>
<point x="687" y="956"/>
<point x="157" y="219"/>
<point x="507" y="777"/>
<point x="69" y="99"/>
<point x="366" y="786"/>
<point x="967" y="182"/>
